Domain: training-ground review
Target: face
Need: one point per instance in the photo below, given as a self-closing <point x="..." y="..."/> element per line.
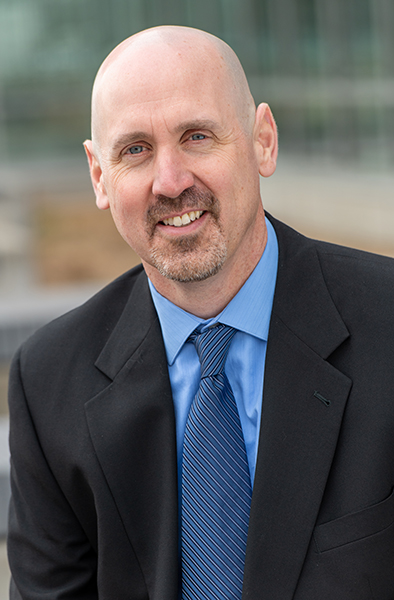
<point x="177" y="169"/>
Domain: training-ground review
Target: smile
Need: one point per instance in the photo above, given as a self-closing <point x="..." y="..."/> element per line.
<point x="185" y="219"/>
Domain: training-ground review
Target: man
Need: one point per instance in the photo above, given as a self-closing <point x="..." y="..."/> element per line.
<point x="101" y="425"/>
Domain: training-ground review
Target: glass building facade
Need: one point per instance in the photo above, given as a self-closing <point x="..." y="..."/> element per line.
<point x="325" y="66"/>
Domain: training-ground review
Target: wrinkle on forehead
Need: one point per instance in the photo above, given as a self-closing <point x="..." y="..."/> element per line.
<point x="182" y="52"/>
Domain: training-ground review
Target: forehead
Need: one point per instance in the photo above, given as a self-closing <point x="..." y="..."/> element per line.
<point x="144" y="64"/>
<point x="173" y="85"/>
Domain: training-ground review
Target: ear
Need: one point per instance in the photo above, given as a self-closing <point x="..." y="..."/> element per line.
<point x="96" y="176"/>
<point x="266" y="140"/>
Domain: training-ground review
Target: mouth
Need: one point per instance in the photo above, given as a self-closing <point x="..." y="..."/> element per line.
<point x="183" y="220"/>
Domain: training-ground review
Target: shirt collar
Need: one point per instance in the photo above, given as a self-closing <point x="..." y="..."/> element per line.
<point x="249" y="311"/>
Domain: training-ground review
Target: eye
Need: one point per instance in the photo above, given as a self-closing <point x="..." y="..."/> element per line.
<point x="135" y="149"/>
<point x="198" y="136"/>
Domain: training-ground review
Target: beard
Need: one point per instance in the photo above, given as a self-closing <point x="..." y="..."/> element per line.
<point x="192" y="257"/>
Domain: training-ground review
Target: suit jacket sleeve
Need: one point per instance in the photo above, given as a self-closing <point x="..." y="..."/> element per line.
<point x="41" y="516"/>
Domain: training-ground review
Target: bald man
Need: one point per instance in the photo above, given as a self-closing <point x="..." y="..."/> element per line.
<point x="123" y="485"/>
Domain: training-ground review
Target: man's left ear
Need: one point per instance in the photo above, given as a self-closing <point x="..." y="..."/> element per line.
<point x="266" y="140"/>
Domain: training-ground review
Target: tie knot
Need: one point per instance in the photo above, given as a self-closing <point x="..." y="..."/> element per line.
<point x="212" y="348"/>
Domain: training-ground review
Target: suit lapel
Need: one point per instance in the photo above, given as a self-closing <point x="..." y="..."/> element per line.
<point x="132" y="427"/>
<point x="303" y="404"/>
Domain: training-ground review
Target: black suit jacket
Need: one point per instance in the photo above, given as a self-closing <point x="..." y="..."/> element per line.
<point x="94" y="483"/>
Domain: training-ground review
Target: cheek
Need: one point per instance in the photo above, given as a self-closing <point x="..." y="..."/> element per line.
<point x="127" y="190"/>
<point x="128" y="214"/>
<point x="126" y="198"/>
<point x="131" y="229"/>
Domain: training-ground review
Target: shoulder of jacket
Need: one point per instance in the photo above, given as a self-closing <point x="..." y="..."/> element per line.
<point x="94" y="319"/>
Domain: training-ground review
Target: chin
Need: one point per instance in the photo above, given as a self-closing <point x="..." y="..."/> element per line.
<point x="198" y="266"/>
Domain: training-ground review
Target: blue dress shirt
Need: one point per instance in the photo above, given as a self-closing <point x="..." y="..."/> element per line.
<point x="249" y="312"/>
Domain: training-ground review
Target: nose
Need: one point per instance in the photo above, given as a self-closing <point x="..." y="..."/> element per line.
<point x="171" y="176"/>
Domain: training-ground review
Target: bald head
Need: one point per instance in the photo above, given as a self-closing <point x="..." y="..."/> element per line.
<point x="176" y="152"/>
<point x="161" y="59"/>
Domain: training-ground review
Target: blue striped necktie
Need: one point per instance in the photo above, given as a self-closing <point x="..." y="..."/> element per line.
<point x="216" y="489"/>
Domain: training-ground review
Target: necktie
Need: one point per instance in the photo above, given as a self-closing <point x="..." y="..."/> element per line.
<point x="216" y="489"/>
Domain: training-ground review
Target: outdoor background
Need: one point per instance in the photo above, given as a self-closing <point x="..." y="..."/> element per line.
<point x="326" y="67"/>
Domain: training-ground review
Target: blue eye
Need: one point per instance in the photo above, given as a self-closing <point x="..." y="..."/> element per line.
<point x="198" y="136"/>
<point x="136" y="149"/>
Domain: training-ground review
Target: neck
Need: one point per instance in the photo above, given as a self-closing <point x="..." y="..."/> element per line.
<point x="206" y="299"/>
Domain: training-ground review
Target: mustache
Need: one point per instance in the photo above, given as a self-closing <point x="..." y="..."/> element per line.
<point x="191" y="199"/>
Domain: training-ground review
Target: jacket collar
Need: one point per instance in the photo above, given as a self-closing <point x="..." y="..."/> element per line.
<point x="136" y="321"/>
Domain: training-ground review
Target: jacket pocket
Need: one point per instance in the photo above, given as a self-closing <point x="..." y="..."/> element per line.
<point x="355" y="526"/>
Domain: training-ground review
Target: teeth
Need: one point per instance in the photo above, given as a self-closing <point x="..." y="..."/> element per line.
<point x="184" y="219"/>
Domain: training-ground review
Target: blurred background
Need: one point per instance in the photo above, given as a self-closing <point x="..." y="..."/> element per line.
<point x="326" y="67"/>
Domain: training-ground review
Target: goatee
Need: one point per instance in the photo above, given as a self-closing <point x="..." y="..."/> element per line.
<point x="191" y="257"/>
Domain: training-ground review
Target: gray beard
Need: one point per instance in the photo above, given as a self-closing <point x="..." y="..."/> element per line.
<point x="190" y="258"/>
<point x="191" y="264"/>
